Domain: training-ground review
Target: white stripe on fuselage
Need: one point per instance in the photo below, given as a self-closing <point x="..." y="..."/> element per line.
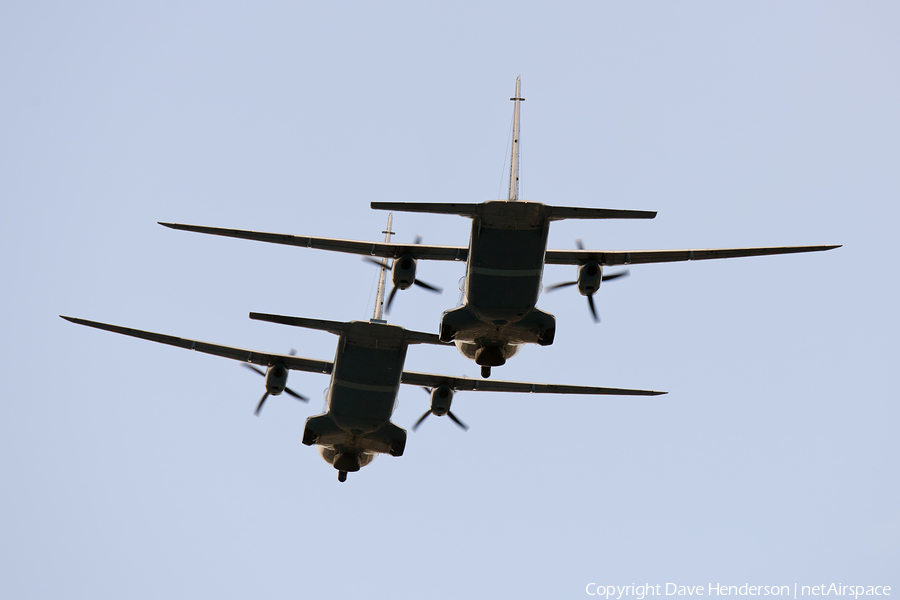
<point x="506" y="272"/>
<point x="365" y="387"/>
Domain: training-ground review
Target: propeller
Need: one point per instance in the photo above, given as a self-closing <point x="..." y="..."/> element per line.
<point x="590" y="296"/>
<point x="369" y="259"/>
<point x="418" y="282"/>
<point x="609" y="277"/>
<point x="449" y="413"/>
<point x="287" y="390"/>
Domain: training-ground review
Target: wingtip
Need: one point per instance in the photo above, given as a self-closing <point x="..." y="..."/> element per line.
<point x="78" y="321"/>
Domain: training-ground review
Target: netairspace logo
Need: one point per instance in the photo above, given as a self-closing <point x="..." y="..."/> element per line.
<point x="640" y="592"/>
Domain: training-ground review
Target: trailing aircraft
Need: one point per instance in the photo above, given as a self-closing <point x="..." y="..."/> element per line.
<point x="505" y="261"/>
<point x="366" y="374"/>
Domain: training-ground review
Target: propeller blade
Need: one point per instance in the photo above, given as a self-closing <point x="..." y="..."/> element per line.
<point x="255" y="369"/>
<point x="559" y="285"/>
<point x="428" y="286"/>
<point x="422" y="418"/>
<point x="625" y="273"/>
<point x="593" y="309"/>
<point x="457" y="421"/>
<point x="378" y="263"/>
<point x="294" y="394"/>
<point x="427" y="390"/>
<point x="387" y="307"/>
<point x="259" y="406"/>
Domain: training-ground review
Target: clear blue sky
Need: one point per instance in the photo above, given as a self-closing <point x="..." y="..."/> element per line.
<point x="134" y="470"/>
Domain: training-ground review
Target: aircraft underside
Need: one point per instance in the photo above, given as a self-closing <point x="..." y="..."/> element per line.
<point x="350" y="451"/>
<point x="491" y="345"/>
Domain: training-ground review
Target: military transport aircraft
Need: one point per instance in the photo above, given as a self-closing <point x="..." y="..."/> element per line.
<point x="365" y="377"/>
<point x="505" y="261"/>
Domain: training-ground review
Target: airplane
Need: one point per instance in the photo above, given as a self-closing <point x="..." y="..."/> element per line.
<point x="366" y="374"/>
<point x="505" y="261"/>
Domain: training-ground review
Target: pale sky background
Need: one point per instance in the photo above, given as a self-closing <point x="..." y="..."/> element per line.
<point x="135" y="470"/>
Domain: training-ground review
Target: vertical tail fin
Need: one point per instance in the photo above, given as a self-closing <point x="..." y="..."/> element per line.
<point x="379" y="297"/>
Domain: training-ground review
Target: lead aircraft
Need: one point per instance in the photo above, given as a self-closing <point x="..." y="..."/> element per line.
<point x="505" y="261"/>
<point x="365" y="378"/>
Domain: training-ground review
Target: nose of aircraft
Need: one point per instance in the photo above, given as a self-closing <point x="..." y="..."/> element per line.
<point x="346" y="461"/>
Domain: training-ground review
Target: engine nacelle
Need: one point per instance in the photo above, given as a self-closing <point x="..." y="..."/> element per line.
<point x="276" y="379"/>
<point x="441" y="397"/>
<point x="590" y="274"/>
<point x="403" y="273"/>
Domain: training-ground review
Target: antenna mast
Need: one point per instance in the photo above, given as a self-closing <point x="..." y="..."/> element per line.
<point x="379" y="297"/>
<point x="514" y="161"/>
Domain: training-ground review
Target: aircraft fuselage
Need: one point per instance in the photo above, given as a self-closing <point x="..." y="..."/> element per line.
<point x="361" y="398"/>
<point x="506" y="260"/>
<point x="503" y="281"/>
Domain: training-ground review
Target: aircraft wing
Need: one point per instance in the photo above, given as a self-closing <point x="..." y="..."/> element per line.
<point x="379" y="249"/>
<point x="250" y="356"/>
<point x="465" y="384"/>
<point x="637" y="257"/>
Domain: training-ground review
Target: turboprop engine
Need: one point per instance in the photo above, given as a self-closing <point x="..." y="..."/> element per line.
<point x="590" y="276"/>
<point x="276" y="379"/>
<point x="403" y="272"/>
<point x="441" y="398"/>
<point x="276" y="383"/>
<point x="403" y="276"/>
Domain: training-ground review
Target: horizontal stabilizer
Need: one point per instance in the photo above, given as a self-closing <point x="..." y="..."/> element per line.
<point x="464" y="210"/>
<point x="338" y="327"/>
<point x="558" y="213"/>
<point x="335" y="327"/>
<point x="554" y="213"/>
